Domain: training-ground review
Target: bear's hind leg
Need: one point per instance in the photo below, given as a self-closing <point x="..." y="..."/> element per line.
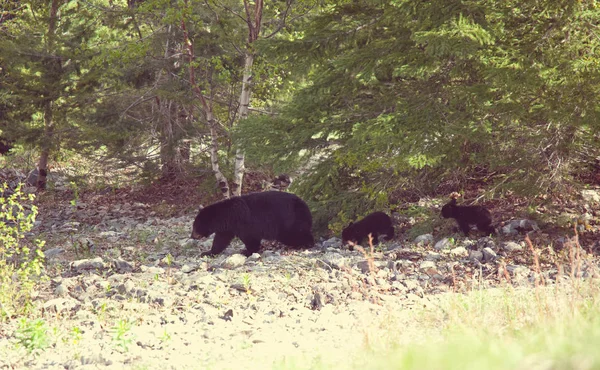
<point x="297" y="239"/>
<point x="389" y="233"/>
<point x="486" y="228"/>
<point x="220" y="242"/>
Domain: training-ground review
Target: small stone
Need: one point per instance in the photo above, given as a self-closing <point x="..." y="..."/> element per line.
<point x="333" y="242"/>
<point x="234" y="261"/>
<point x="254" y="257"/>
<point x="121" y="266"/>
<point x="54" y="252"/>
<point x="189" y="267"/>
<point x="88" y="264"/>
<point x="334" y="260"/>
<point x="516" y="226"/>
<point x="459" y="252"/>
<point x="189" y="243"/>
<point x="476" y="255"/>
<point x="426" y="265"/>
<point x="425" y="239"/>
<point x="59" y="305"/>
<point x="590" y="196"/>
<point x="433" y="256"/>
<point x="489" y="255"/>
<point x="364" y="266"/>
<point x="445" y="243"/>
<point x="517" y="270"/>
<point x="511" y="246"/>
<point x="61" y="290"/>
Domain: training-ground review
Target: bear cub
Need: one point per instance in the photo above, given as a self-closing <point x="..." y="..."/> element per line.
<point x="468" y="215"/>
<point x="271" y="215"/>
<point x="377" y="223"/>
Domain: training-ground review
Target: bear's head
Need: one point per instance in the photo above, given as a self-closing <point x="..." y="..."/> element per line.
<point x="348" y="234"/>
<point x="201" y="227"/>
<point x="448" y="209"/>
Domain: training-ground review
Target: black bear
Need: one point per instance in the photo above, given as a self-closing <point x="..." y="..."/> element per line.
<point x="252" y="217"/>
<point x="377" y="223"/>
<point x="469" y="215"/>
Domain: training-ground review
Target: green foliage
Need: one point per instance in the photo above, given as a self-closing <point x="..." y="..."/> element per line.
<point x="121" y="334"/>
<point x="406" y="97"/>
<point x="32" y="334"/>
<point x="21" y="259"/>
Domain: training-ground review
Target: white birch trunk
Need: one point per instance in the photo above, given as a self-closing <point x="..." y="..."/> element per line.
<point x="239" y="168"/>
<point x="214" y="156"/>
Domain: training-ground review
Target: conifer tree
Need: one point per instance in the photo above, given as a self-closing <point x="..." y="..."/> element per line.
<point x="401" y="98"/>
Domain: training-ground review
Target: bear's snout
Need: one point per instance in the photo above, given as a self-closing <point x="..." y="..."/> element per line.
<point x="195" y="235"/>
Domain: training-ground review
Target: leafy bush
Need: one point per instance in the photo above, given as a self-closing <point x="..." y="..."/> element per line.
<point x="21" y="259"/>
<point x="33" y="335"/>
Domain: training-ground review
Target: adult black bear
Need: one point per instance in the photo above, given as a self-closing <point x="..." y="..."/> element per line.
<point x="469" y="215"/>
<point x="377" y="223"/>
<point x="252" y="217"/>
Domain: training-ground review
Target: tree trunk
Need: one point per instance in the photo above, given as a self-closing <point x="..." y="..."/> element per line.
<point x="208" y="113"/>
<point x="239" y="168"/>
<point x="48" y="114"/>
<point x="46" y="146"/>
<point x="167" y="142"/>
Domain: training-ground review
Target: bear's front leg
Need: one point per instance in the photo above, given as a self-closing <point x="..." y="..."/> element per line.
<point x="252" y="246"/>
<point x="464" y="226"/>
<point x="221" y="241"/>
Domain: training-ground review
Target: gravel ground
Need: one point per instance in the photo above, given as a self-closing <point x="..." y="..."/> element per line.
<point x="127" y="289"/>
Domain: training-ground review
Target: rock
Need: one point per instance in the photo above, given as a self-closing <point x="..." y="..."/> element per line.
<point x="254" y="257"/>
<point x="425" y="239"/>
<point x="364" y="266"/>
<point x="189" y="243"/>
<point x="433" y="256"/>
<point x="476" y="255"/>
<point x="126" y="287"/>
<point x="109" y="234"/>
<point x="60" y="305"/>
<point x="70" y="227"/>
<point x="511" y="246"/>
<point x="590" y="196"/>
<point x="88" y="264"/>
<point x="411" y="285"/>
<point x="517" y="270"/>
<point x="54" y="252"/>
<point x="61" y="290"/>
<point x="516" y="226"/>
<point x="234" y="261"/>
<point x="459" y="252"/>
<point x="334" y="260"/>
<point x="121" y="266"/>
<point x="333" y="242"/>
<point x="426" y="265"/>
<point x="189" y="267"/>
<point x="489" y="255"/>
<point x="152" y="270"/>
<point x="445" y="243"/>
<point x="486" y="242"/>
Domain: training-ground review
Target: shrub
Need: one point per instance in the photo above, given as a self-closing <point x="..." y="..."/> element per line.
<point x="21" y="259"/>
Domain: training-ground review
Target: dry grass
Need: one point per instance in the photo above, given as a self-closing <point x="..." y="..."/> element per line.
<point x="551" y="324"/>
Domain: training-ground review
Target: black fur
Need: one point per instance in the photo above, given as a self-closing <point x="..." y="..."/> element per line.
<point x="252" y="217"/>
<point x="377" y="223"/>
<point x="5" y="146"/>
<point x="469" y="215"/>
